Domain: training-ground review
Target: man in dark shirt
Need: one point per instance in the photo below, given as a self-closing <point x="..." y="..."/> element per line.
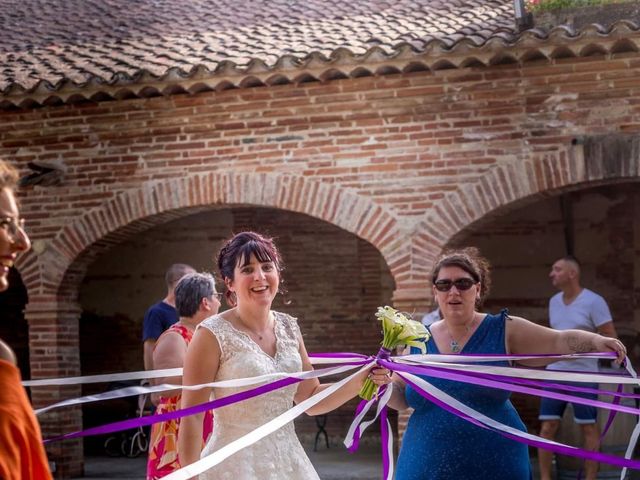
<point x="162" y="315"/>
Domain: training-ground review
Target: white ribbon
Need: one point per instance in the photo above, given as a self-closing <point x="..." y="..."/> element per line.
<point x="448" y="399"/>
<point x="252" y="437"/>
<point x="349" y="438"/>
<point x="429" y="388"/>
<point x="389" y="447"/>
<point x="108" y="377"/>
<point x="241" y="382"/>
<point x="176" y="372"/>
<point x="149" y="374"/>
<point x="335" y="360"/>
<point x="636" y="430"/>
<point x="444" y="358"/>
<point x="383" y="400"/>
<point x="528" y="373"/>
<point x="451" y="362"/>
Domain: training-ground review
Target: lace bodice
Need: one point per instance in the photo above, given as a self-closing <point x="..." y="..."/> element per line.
<point x="279" y="455"/>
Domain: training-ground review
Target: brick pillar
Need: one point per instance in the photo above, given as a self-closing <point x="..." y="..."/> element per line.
<point x="54" y="346"/>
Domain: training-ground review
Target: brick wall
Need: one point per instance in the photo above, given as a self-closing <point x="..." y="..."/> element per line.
<point x="404" y="162"/>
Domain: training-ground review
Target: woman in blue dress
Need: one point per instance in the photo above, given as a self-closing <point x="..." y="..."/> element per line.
<point x="438" y="445"/>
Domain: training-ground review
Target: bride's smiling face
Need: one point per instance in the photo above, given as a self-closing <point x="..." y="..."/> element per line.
<point x="254" y="281"/>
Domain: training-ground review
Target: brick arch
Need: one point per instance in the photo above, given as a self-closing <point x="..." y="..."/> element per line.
<point x="510" y="186"/>
<point x="156" y="202"/>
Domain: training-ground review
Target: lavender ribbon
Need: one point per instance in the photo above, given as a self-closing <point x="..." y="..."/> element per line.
<point x="339" y="355"/>
<point x="164" y="417"/>
<point x="383" y="358"/>
<point x="383" y="354"/>
<point x="557" y="448"/>
<point x="385" y="433"/>
<point x="356" y="436"/>
<point x="228" y="400"/>
<point x="485" y="380"/>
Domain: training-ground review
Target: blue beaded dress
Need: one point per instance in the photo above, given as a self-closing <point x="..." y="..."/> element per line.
<point x="438" y="445"/>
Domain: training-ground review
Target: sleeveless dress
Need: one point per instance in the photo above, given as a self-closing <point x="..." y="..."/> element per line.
<point x="163" y="446"/>
<point x="438" y="445"/>
<point x="278" y="456"/>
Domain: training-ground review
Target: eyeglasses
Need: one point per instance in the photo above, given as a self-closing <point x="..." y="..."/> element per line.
<point x="12" y="226"/>
<point x="461" y="284"/>
<point x="217" y="296"/>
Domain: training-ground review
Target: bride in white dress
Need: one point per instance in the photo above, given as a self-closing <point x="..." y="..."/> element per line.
<point x="245" y="341"/>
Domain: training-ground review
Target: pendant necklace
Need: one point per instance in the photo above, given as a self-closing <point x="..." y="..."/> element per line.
<point x="454" y="345"/>
<point x="251" y="330"/>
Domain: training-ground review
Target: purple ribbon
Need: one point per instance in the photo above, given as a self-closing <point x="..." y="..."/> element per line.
<point x="338" y="355"/>
<point x="561" y="449"/>
<point x="234" y="398"/>
<point x="356" y="436"/>
<point x="164" y="417"/>
<point x="559" y="386"/>
<point x="383" y="354"/>
<point x="485" y="380"/>
<point x="537" y="355"/>
<point x="618" y="394"/>
<point x="384" y="433"/>
<point x="383" y="357"/>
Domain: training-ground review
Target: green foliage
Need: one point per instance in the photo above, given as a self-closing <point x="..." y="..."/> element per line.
<point x="538" y="6"/>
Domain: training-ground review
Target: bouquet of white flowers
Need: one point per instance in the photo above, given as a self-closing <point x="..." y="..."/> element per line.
<point x="397" y="330"/>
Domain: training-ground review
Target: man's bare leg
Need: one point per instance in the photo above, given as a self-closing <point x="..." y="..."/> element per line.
<point x="591" y="436"/>
<point x="548" y="430"/>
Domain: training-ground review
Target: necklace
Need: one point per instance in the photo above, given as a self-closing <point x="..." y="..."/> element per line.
<point x="250" y="330"/>
<point x="454" y="344"/>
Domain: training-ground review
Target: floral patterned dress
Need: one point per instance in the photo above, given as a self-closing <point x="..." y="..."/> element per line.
<point x="163" y="448"/>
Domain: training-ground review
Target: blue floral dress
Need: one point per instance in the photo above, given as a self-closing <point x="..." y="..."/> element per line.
<point x="438" y="445"/>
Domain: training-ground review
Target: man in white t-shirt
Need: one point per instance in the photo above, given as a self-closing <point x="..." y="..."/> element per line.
<point x="574" y="307"/>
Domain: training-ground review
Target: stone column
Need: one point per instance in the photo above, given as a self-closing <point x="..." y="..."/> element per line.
<point x="54" y="345"/>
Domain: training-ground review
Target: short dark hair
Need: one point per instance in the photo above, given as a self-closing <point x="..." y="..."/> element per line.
<point x="175" y="272"/>
<point x="471" y="261"/>
<point x="239" y="248"/>
<point x="190" y="291"/>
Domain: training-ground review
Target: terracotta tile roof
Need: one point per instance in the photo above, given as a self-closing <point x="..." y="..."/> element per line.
<point x="78" y="40"/>
<point x="50" y="44"/>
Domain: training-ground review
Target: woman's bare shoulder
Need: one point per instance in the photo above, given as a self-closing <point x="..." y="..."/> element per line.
<point x="7" y="354"/>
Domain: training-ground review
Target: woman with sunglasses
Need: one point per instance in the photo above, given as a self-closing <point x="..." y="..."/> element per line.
<point x="438" y="445"/>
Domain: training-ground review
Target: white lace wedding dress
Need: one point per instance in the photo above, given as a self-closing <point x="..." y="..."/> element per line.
<point x="278" y="456"/>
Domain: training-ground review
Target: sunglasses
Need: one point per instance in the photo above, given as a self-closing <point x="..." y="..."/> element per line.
<point x="461" y="284"/>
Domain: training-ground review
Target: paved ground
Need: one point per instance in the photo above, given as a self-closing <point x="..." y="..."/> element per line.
<point x="333" y="464"/>
<point x="330" y="464"/>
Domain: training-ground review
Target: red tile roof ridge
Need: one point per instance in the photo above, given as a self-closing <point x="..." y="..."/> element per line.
<point x="373" y="34"/>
